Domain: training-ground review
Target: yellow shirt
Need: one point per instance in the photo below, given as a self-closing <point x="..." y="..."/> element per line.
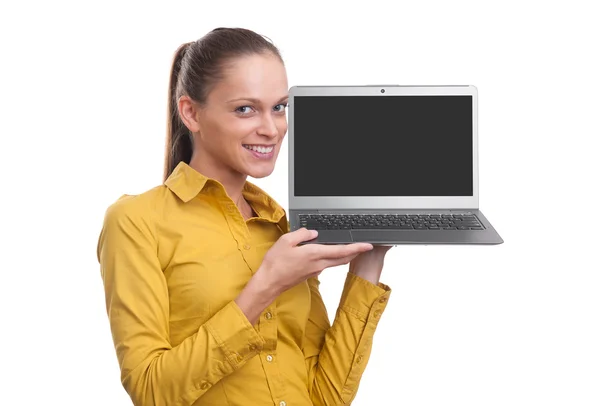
<point x="174" y="258"/>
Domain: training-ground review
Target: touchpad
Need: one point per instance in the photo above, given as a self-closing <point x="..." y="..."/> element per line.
<point x="388" y="236"/>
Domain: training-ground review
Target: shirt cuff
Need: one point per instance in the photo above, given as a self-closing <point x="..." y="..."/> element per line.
<point x="364" y="299"/>
<point x="234" y="334"/>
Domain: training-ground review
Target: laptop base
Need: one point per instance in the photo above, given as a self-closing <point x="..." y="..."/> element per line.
<point x="487" y="236"/>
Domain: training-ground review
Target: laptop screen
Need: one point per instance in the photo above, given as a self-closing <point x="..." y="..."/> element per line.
<point x="410" y="145"/>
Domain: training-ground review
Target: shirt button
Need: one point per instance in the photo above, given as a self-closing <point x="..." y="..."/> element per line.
<point x="239" y="357"/>
<point x="268" y="316"/>
<point x="246" y="246"/>
<point x="204" y="385"/>
<point x="359" y="359"/>
<point x="382" y="300"/>
<point x="252" y="347"/>
<point x="377" y="314"/>
<point x="269" y="358"/>
<point x="282" y="403"/>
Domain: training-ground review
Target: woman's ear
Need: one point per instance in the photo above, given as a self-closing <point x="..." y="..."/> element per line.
<point x="189" y="113"/>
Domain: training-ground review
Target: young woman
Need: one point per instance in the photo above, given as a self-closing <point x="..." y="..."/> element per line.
<point x="210" y="299"/>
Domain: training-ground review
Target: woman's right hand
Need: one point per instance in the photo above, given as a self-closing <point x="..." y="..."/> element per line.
<point x="286" y="264"/>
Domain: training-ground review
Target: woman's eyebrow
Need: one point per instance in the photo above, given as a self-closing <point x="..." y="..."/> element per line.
<point x="253" y="100"/>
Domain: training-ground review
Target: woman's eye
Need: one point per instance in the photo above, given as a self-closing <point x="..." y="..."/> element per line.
<point x="241" y="109"/>
<point x="282" y="105"/>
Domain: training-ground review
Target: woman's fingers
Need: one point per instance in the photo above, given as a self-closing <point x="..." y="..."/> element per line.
<point x="322" y="251"/>
<point x="328" y="263"/>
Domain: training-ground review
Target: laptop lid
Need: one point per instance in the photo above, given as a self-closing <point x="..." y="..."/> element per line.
<point x="383" y="147"/>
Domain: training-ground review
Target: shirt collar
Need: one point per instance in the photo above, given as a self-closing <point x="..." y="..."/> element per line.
<point x="187" y="183"/>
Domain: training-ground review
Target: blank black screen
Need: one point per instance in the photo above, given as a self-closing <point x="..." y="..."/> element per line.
<point x="383" y="145"/>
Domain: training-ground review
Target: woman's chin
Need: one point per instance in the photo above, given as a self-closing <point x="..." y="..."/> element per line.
<point x="259" y="171"/>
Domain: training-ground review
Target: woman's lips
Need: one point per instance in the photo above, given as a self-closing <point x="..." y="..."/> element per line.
<point x="260" y="155"/>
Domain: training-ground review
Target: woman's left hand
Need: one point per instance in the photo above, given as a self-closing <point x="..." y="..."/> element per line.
<point x="369" y="264"/>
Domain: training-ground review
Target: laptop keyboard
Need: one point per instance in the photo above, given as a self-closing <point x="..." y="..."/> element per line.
<point x="390" y="221"/>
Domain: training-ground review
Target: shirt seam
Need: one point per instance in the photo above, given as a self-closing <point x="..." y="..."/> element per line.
<point x="154" y="218"/>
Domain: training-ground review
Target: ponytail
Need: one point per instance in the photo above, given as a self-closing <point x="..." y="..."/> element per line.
<point x="179" y="143"/>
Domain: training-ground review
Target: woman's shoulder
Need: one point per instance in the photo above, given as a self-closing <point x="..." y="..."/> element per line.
<point x="139" y="206"/>
<point x="130" y="216"/>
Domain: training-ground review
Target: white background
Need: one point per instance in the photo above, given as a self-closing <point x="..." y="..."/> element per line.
<point x="83" y="91"/>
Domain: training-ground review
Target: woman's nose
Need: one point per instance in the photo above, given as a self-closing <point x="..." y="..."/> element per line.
<point x="268" y="127"/>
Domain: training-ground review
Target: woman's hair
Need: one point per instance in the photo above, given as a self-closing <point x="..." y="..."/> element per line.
<point x="197" y="66"/>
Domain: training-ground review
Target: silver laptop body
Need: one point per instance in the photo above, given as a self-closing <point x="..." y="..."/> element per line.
<point x="386" y="164"/>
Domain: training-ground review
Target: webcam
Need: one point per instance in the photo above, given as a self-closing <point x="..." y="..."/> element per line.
<point x="382" y="90"/>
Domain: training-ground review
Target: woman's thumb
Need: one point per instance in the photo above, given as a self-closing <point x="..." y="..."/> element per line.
<point x="302" y="234"/>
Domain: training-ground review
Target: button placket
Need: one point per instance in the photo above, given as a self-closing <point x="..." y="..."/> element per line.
<point x="236" y="222"/>
<point x="267" y="327"/>
<point x="239" y="231"/>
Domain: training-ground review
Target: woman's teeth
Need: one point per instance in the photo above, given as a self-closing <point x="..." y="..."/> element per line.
<point x="262" y="150"/>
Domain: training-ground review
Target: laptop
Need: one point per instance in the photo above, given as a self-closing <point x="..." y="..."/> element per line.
<point x="386" y="164"/>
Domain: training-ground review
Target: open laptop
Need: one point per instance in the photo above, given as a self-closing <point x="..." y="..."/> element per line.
<point x="386" y="164"/>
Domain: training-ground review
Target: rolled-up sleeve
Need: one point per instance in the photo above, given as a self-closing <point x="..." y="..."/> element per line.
<point x="137" y="303"/>
<point x="336" y="355"/>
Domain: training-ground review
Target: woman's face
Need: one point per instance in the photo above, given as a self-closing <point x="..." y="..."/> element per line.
<point x="243" y="123"/>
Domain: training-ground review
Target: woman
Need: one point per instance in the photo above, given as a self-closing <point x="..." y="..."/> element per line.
<point x="210" y="299"/>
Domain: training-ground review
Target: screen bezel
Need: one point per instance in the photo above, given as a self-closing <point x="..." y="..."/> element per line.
<point x="381" y="202"/>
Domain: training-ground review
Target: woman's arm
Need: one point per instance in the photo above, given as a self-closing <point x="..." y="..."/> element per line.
<point x="137" y="302"/>
<point x="336" y="355"/>
<point x="256" y="296"/>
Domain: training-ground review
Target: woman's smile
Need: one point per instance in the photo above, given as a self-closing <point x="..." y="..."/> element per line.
<point x="260" y="151"/>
